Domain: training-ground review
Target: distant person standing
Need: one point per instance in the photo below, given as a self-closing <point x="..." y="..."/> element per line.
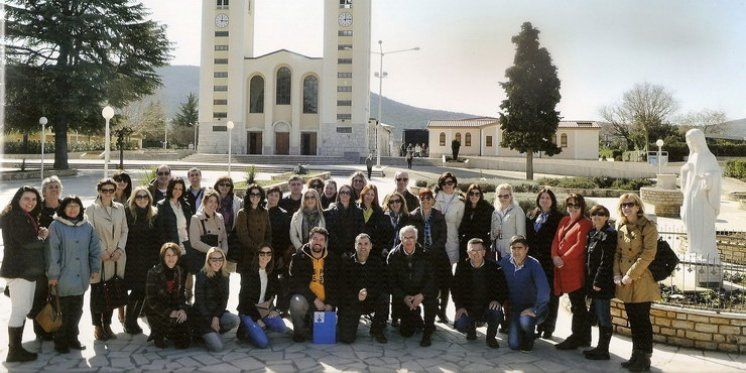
<point x="417" y="150"/>
<point x="409" y="158"/>
<point x="369" y="165"/>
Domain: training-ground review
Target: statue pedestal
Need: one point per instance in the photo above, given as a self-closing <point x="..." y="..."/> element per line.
<point x="695" y="272"/>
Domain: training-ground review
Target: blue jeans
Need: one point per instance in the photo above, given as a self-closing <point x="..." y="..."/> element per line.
<point x="492" y="317"/>
<point x="213" y="340"/>
<point x="522" y="329"/>
<point x="602" y="309"/>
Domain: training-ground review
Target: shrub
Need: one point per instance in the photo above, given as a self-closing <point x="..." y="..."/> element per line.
<point x="570" y="182"/>
<point x="250" y="174"/>
<point x="736" y="169"/>
<point x="602" y="182"/>
<point x="34" y="147"/>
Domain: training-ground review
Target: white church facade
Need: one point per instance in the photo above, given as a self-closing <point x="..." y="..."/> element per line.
<point x="285" y="102"/>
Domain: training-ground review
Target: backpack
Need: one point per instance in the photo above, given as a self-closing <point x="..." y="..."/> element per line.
<point x="665" y="261"/>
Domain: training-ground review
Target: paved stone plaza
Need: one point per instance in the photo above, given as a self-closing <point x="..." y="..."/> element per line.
<point x="449" y="352"/>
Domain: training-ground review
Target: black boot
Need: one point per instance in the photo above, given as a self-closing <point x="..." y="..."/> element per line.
<point x="570" y="343"/>
<point x="426" y="339"/>
<point x="642" y="364"/>
<point x="635" y="356"/>
<point x="130" y="318"/>
<point x="442" y="318"/>
<point x="16" y="352"/>
<point x="601" y="352"/>
<point x="490" y="339"/>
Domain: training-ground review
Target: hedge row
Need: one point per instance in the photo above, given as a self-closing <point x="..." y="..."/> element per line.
<point x="596" y="182"/>
<point x="34" y="147"/>
<point x="678" y="150"/>
<point x="736" y="169"/>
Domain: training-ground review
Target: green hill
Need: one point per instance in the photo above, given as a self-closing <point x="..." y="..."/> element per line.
<point x="179" y="81"/>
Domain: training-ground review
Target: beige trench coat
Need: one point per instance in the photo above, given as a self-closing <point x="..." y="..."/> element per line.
<point x="112" y="231"/>
<point x="636" y="247"/>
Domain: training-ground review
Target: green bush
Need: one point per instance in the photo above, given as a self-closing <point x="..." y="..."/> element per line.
<point x="487" y="186"/>
<point x="678" y="150"/>
<point x="570" y="182"/>
<point x="736" y="169"/>
<point x="596" y="182"/>
<point x="34" y="147"/>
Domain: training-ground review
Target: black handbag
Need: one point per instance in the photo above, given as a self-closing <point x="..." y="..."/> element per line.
<point x="110" y="294"/>
<point x="665" y="261"/>
<point x="196" y="259"/>
<point x="235" y="254"/>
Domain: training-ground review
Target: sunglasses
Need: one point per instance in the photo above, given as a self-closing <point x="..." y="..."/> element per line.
<point x="255" y="194"/>
<point x="598" y="214"/>
<point x="164" y="173"/>
<point x="449" y="182"/>
<point x="107" y="190"/>
<point x="265" y="253"/>
<point x="475" y="194"/>
<point x="217" y="260"/>
<point x="344" y="193"/>
<point x="503" y="196"/>
<point x="310" y="197"/>
<point x="572" y="206"/>
<point x="317" y="186"/>
<point x="141" y="196"/>
<point x="225" y="185"/>
<point x="628" y="204"/>
<point x="425" y="198"/>
<point x="391" y="202"/>
<point x="401" y="179"/>
<point x="358" y="181"/>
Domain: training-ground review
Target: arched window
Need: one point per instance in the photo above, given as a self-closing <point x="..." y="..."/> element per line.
<point x="468" y="139"/>
<point x="256" y="95"/>
<point x="458" y="137"/>
<point x="283" y="86"/>
<point x="442" y="139"/>
<point x="311" y="95"/>
<point x="563" y="140"/>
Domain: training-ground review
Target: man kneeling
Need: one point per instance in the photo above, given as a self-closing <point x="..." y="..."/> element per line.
<point x="411" y="281"/>
<point x="528" y="294"/>
<point x="364" y="291"/>
<point x="479" y="290"/>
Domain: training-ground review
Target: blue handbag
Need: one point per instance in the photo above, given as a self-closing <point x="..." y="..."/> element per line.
<point x="325" y="327"/>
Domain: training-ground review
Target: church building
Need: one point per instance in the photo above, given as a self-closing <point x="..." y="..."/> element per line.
<point x="284" y="102"/>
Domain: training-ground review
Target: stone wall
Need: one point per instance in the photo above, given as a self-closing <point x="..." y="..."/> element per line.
<point x="667" y="202"/>
<point x="707" y="330"/>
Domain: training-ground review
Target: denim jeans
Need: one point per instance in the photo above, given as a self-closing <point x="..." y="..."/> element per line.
<point x="602" y="309"/>
<point x="213" y="340"/>
<point x="522" y="328"/>
<point x="492" y="317"/>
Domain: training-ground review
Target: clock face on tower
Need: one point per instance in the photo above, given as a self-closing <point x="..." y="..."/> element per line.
<point x="221" y="20"/>
<point x="345" y="19"/>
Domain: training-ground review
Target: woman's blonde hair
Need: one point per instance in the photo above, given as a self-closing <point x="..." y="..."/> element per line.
<point x="152" y="210"/>
<point x="505" y="186"/>
<point x="636" y="199"/>
<point x="208" y="270"/>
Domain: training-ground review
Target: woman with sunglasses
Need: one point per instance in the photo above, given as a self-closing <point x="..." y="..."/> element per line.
<point x="637" y="243"/>
<point x="508" y="220"/>
<point x="344" y="221"/>
<point x="568" y="256"/>
<point x="124" y="187"/>
<point x="166" y="308"/>
<point x="330" y="194"/>
<point x="229" y="206"/>
<point x="396" y="216"/>
<point x="306" y="218"/>
<point x="541" y="227"/>
<point x="174" y="218"/>
<point x="110" y="221"/>
<point x="373" y="218"/>
<point x="210" y="317"/>
<point x="476" y="221"/>
<point x="256" y="308"/>
<point x="599" y="278"/>
<point x="143" y="243"/>
<point x="358" y="182"/>
<point x="23" y="263"/>
<point x="252" y="226"/>
<point x="449" y="201"/>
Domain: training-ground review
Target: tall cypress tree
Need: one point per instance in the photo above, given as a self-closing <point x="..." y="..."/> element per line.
<point x="188" y="113"/>
<point x="68" y="58"/>
<point x="528" y="119"/>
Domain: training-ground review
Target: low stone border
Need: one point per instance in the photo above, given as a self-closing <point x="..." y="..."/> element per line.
<point x="598" y="193"/>
<point x="686" y="327"/>
<point x="34" y="174"/>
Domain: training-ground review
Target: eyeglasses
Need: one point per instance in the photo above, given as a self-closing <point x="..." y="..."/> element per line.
<point x="265" y="253"/>
<point x="217" y="260"/>
<point x="425" y="198"/>
<point x="344" y="193"/>
<point x="449" y="182"/>
<point x="255" y="194"/>
<point x="503" y="196"/>
<point x="475" y="194"/>
<point x="141" y="196"/>
<point x="107" y="190"/>
<point x="401" y="179"/>
<point x="628" y="205"/>
<point x="164" y="173"/>
<point x="572" y="206"/>
<point x="392" y="201"/>
<point x="599" y="214"/>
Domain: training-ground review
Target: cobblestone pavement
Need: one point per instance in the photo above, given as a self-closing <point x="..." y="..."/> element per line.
<point x="449" y="352"/>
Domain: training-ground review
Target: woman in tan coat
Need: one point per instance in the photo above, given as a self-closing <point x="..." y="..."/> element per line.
<point x="110" y="221"/>
<point x="252" y="226"/>
<point x="206" y="230"/>
<point x="636" y="247"/>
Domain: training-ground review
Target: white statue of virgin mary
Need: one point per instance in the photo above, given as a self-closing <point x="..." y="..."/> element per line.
<point x="700" y="184"/>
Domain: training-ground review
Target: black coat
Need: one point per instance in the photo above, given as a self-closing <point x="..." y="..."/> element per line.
<point x="159" y="302"/>
<point x="251" y="289"/>
<point x="438" y="230"/>
<point x="279" y="223"/>
<point x="412" y="201"/>
<point x="476" y="223"/>
<point x="599" y="265"/>
<point x="290" y="205"/>
<point x="463" y="285"/>
<point x="391" y="231"/>
<point x="406" y="279"/>
<point x="210" y="300"/>
<point x="143" y="247"/>
<point x="24" y="253"/>
<point x="167" y="220"/>
<point x="47" y="215"/>
<point x="540" y="243"/>
<point x="343" y="226"/>
<point x="375" y="227"/>
<point x="301" y="272"/>
<point x="370" y="276"/>
<point x="192" y="199"/>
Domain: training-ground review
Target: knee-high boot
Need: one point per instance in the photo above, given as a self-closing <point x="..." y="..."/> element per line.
<point x="16" y="352"/>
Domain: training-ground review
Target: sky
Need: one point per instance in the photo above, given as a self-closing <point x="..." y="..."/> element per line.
<point x="694" y="48"/>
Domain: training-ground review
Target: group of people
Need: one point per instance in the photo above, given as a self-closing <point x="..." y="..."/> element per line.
<point x="325" y="248"/>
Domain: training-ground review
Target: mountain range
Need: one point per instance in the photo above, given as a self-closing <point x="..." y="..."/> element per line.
<point x="179" y="81"/>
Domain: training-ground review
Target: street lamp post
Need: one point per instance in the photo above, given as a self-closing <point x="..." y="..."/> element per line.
<point x="380" y="75"/>
<point x="107" y="113"/>
<point x="659" y="143"/>
<point x="43" y="121"/>
<point x="230" y="126"/>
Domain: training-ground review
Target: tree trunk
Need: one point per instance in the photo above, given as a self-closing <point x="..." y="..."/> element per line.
<point x="530" y="165"/>
<point x="60" y="144"/>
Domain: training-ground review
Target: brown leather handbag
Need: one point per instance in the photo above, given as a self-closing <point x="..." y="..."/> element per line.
<point x="50" y="317"/>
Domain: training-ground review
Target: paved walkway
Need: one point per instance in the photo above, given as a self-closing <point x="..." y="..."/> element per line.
<point x="450" y="351"/>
